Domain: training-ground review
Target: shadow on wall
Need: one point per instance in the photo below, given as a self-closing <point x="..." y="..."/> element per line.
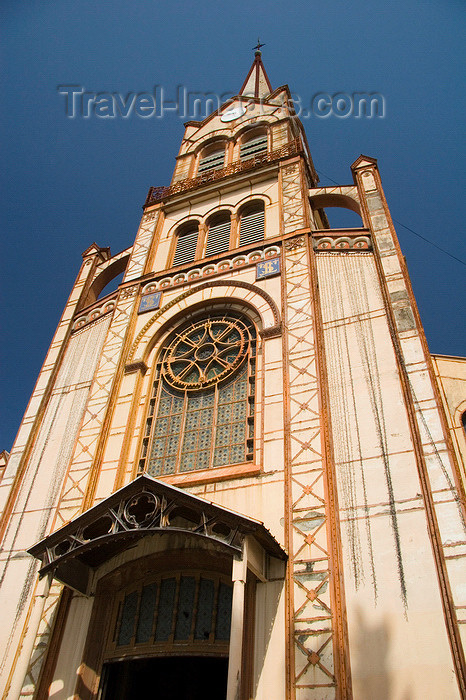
<point x="371" y="677"/>
<point x="272" y="593"/>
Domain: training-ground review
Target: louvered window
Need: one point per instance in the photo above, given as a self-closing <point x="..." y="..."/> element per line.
<point x="251" y="228"/>
<point x="253" y="147"/>
<point x="186" y="247"/>
<point x="213" y="161"/>
<point x="218" y="237"/>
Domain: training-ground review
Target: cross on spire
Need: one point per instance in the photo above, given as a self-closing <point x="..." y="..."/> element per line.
<point x="259" y="45"/>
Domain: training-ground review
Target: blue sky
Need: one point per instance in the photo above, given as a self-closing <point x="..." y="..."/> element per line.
<point x="69" y="182"/>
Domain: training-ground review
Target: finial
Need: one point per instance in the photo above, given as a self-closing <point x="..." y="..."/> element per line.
<point x="258" y="47"/>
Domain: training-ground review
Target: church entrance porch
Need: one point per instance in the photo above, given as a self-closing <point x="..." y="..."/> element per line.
<point x="172" y="583"/>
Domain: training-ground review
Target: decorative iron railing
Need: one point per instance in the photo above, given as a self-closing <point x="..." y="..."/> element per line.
<point x="157" y="194"/>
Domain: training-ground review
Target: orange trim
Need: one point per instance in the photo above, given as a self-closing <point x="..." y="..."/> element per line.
<point x="287" y="483"/>
<point x="341" y="645"/>
<point x="63" y="327"/>
<point x="207" y="476"/>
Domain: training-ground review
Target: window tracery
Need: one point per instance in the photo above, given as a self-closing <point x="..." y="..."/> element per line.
<point x="201" y="411"/>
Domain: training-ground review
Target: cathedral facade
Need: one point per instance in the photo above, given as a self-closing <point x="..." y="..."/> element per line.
<point x="240" y="475"/>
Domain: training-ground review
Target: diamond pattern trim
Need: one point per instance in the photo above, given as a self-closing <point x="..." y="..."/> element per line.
<point x="309" y="553"/>
<point x="141" y="246"/>
<point x="293" y="213"/>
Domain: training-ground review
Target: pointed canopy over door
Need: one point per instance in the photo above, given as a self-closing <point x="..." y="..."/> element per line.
<point x="144" y="507"/>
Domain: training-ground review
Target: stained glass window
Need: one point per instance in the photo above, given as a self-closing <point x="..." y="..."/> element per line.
<point x="128" y="618"/>
<point x="201" y="411"/>
<point x="165" y="612"/>
<point x="205" y="609"/>
<point x="222" y="625"/>
<point x="178" y="608"/>
<point x="146" y="613"/>
<point x="185" y="611"/>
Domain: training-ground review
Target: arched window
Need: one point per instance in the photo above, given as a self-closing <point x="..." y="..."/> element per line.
<point x="186" y="243"/>
<point x="253" y="145"/>
<point x="212" y="158"/>
<point x="201" y="411"/>
<point x="178" y="608"/>
<point x="251" y="223"/>
<point x="218" y="235"/>
<point x="463" y="421"/>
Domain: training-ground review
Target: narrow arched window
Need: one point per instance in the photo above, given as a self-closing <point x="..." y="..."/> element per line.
<point x="186" y="244"/>
<point x="218" y="233"/>
<point x="253" y="146"/>
<point x="212" y="159"/>
<point x="251" y="223"/>
<point x="201" y="411"/>
<point x="463" y="421"/>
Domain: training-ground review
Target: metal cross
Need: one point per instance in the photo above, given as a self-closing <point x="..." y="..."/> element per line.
<point x="259" y="45"/>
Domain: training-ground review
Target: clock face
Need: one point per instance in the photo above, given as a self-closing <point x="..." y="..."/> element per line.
<point x="232" y="114"/>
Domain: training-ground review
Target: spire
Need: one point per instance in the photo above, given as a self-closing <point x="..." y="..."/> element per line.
<point x="257" y="82"/>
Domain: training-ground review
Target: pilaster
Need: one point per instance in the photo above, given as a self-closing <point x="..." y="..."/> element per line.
<point x="441" y="488"/>
<point x="315" y="672"/>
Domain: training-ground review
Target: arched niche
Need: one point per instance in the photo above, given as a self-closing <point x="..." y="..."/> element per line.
<point x="341" y="204"/>
<point x="103" y="280"/>
<point x="328" y="199"/>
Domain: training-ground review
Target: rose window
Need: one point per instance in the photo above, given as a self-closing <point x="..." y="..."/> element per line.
<point x="207" y="352"/>
<point x="201" y="411"/>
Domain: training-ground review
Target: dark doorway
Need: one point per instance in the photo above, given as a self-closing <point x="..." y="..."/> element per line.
<point x="166" y="678"/>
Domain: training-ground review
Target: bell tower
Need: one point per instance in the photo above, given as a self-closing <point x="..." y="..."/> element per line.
<point x="235" y="472"/>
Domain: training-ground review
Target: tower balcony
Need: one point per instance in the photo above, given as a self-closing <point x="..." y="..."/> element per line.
<point x="158" y="194"/>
